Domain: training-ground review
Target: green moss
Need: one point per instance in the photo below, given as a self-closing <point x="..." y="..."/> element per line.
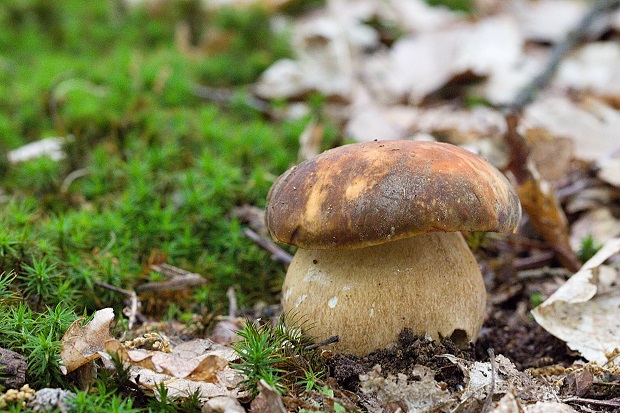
<point x="458" y="5"/>
<point x="149" y="166"/>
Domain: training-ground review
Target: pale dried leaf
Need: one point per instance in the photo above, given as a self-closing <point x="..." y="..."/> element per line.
<point x="419" y="65"/>
<point x="592" y="198"/>
<point x="416" y="16"/>
<point x="547" y="20"/>
<point x="222" y="404"/>
<point x="549" y="407"/>
<point x="423" y="395"/>
<point x="82" y="344"/>
<point x="592" y="125"/>
<point x="179" y="388"/>
<point x="508" y="404"/>
<point x="594" y="67"/>
<point x="584" y="311"/>
<point x="599" y="223"/>
<point x="325" y="47"/>
<point x="478" y="376"/>
<point x="196" y="365"/>
<point x="609" y="169"/>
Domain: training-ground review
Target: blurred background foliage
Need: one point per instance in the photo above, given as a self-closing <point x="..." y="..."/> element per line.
<point x="158" y="168"/>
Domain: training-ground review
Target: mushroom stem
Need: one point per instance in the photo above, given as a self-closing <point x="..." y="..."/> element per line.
<point x="429" y="283"/>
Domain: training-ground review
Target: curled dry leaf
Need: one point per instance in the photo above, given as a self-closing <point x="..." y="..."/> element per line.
<point x="82" y="344"/>
<point x="538" y="198"/>
<point x="584" y="311"/>
<point x="267" y="401"/>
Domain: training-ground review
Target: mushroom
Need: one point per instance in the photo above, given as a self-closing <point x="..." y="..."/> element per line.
<point x="378" y="230"/>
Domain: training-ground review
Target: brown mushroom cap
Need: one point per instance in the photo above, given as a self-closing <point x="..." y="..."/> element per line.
<point x="369" y="193"/>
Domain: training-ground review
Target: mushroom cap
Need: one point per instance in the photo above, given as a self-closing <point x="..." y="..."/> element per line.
<point x="369" y="193"/>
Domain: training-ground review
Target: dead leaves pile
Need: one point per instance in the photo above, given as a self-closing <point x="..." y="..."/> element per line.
<point x="200" y="365"/>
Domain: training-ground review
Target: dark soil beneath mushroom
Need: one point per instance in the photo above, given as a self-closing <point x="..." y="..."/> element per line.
<point x="517" y="336"/>
<point x="410" y="351"/>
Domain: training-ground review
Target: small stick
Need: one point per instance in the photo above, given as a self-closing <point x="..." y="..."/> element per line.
<point x="133" y="301"/>
<point x="233" y="309"/>
<point x="277" y="253"/>
<point x="608" y="403"/>
<point x="330" y="340"/>
<point x="488" y="403"/>
<point x="180" y="279"/>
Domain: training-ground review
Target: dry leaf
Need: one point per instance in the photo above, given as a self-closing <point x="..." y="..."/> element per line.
<point x="197" y="365"/>
<point x="599" y="223"/>
<point x="419" y="65"/>
<point x="609" y="168"/>
<point x="592" y="125"/>
<point x="538" y="199"/>
<point x="508" y="404"/>
<point x="552" y="155"/>
<point x="420" y="395"/>
<point x="222" y="404"/>
<point x="478" y="377"/>
<point x="267" y="401"/>
<point x="81" y="344"/>
<point x="547" y="20"/>
<point x="584" y="312"/>
<point x="595" y="67"/>
<point x="549" y="407"/>
<point x="417" y="16"/>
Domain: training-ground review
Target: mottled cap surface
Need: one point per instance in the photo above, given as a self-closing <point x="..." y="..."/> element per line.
<point x="369" y="193"/>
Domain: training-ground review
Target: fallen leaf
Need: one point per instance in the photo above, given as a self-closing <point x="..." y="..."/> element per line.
<point x="423" y="394"/>
<point x="609" y="168"/>
<point x="196" y="365"/>
<point x="600" y="224"/>
<point x="222" y="404"/>
<point x="584" y="311"/>
<point x="592" y="125"/>
<point x="552" y="155"/>
<point x="82" y="344"/>
<point x="538" y="198"/>
<point x="595" y="67"/>
<point x="422" y="64"/>
<point x="267" y="401"/>
<point x="547" y="20"/>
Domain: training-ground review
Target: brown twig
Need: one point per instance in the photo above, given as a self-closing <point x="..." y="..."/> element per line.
<point x="180" y="279"/>
<point x="277" y="253"/>
<point x="607" y="403"/>
<point x="133" y="306"/>
<point x="330" y="340"/>
<point x="488" y="402"/>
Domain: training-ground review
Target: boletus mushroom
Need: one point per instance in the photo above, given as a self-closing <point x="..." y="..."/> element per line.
<point x="378" y="229"/>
